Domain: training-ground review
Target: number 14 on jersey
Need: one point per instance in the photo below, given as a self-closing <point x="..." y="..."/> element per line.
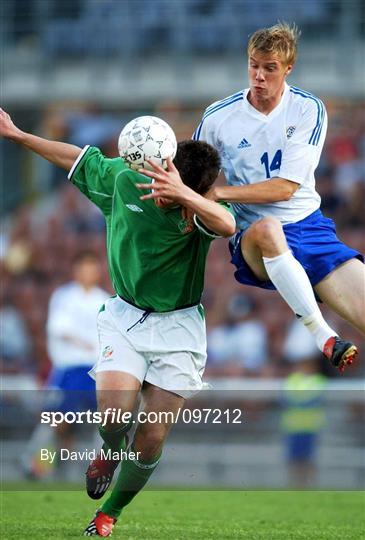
<point x="274" y="165"/>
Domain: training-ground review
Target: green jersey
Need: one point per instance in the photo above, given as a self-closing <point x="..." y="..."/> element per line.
<point x="156" y="261"/>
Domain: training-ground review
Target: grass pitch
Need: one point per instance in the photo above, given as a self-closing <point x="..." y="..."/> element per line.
<point x="197" y="515"/>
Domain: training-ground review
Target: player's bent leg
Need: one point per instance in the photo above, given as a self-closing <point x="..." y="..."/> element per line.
<point x="160" y="408"/>
<point x="116" y="389"/>
<point x="117" y="393"/>
<point x="343" y="290"/>
<point x="266" y="239"/>
<point x="163" y="405"/>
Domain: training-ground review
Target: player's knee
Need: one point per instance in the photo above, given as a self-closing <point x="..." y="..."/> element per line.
<point x="267" y="230"/>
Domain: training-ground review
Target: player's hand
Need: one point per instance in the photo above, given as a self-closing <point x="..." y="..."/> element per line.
<point x="167" y="183"/>
<point x="7" y="127"/>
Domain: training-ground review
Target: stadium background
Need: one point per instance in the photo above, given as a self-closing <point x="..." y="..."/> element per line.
<point x="78" y="71"/>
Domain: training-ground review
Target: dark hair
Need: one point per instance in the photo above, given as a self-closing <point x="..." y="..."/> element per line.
<point x="85" y="255"/>
<point x="198" y="164"/>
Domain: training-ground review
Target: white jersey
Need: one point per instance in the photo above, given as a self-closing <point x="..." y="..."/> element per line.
<point x="253" y="147"/>
<point x="72" y="315"/>
<point x="245" y="342"/>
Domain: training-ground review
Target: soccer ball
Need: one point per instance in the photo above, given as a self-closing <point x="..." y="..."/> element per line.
<point x="146" y="137"/>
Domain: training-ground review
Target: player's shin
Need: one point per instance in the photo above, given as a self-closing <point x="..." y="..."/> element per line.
<point x="114" y="439"/>
<point x="133" y="476"/>
<point x="292" y="282"/>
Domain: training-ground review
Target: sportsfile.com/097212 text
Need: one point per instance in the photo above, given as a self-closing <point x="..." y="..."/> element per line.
<point x="112" y="415"/>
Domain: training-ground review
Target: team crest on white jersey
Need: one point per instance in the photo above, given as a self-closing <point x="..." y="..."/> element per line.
<point x="134" y="208"/>
<point x="244" y="144"/>
<point x="290" y="131"/>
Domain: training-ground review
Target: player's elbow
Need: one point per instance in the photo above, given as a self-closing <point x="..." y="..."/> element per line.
<point x="288" y="188"/>
<point x="287" y="195"/>
<point x="229" y="227"/>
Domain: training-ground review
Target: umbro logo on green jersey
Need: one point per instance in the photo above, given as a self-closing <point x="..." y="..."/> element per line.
<point x="134" y="208"/>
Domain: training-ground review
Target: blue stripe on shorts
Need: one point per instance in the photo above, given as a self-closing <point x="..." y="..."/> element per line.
<point x="314" y="244"/>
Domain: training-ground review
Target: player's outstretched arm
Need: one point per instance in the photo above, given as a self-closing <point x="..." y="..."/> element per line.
<point x="61" y="154"/>
<point x="168" y="185"/>
<point x="268" y="191"/>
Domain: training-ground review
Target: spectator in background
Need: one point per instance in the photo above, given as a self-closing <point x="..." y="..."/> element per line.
<point x="73" y="349"/>
<point x="331" y="200"/>
<point x="303" y="414"/>
<point x="345" y="154"/>
<point x="238" y="347"/>
<point x="15" y="342"/>
<point x="78" y="215"/>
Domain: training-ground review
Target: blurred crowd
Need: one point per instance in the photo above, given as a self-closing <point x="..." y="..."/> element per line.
<point x="251" y="332"/>
<point x="199" y="26"/>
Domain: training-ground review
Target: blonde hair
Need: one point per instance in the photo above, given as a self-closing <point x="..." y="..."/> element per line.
<point x="280" y="39"/>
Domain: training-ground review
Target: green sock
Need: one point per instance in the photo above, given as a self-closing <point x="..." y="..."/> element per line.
<point x="114" y="440"/>
<point x="132" y="478"/>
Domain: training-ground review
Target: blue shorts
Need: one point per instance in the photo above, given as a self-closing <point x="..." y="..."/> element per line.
<point x="76" y="389"/>
<point x="301" y="446"/>
<point x="314" y="244"/>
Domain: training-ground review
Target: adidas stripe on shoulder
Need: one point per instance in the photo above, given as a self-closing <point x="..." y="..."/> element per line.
<point x="217" y="106"/>
<point x="321" y="112"/>
<point x="223" y="102"/>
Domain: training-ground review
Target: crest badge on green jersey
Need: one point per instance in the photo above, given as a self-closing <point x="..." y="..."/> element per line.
<point x="186" y="225"/>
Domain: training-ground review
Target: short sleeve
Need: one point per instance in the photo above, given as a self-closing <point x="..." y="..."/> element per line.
<point x="198" y="134"/>
<point x="205" y="131"/>
<point x="204" y="230"/>
<point x="304" y="145"/>
<point x="95" y="176"/>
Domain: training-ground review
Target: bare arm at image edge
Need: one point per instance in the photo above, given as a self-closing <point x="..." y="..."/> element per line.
<point x="60" y="154"/>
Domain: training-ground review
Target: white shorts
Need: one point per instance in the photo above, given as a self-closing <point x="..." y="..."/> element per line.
<point x="164" y="349"/>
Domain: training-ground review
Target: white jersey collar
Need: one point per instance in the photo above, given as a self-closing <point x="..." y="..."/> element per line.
<point x="254" y="112"/>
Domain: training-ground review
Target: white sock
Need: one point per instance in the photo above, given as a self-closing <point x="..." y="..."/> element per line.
<point x="292" y="282"/>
